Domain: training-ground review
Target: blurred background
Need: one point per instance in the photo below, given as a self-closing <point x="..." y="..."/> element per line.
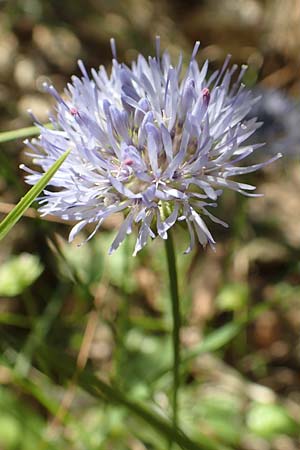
<point x="241" y="305"/>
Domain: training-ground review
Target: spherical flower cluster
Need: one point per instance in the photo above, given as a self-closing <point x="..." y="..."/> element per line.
<point x="150" y="141"/>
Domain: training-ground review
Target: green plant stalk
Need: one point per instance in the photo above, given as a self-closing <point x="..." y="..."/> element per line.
<point x="173" y="280"/>
<point x="123" y="320"/>
<point x="22" y="133"/>
<point x="12" y="218"/>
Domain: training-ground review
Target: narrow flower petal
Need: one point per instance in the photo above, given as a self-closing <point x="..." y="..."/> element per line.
<point x="123" y="231"/>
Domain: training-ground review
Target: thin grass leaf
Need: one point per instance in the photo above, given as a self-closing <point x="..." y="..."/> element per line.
<point x="22" y="133"/>
<point x="222" y="336"/>
<point x="39" y="386"/>
<point x="12" y="218"/>
<point x="215" y="340"/>
<point x="39" y="332"/>
<point x="36" y="388"/>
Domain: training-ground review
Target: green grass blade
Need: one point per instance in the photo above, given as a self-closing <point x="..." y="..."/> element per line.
<point x="22" y="133"/>
<point x="12" y="218"/>
<point x="215" y="340"/>
<point x="39" y="332"/>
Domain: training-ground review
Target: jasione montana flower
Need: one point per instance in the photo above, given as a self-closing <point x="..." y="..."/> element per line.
<point x="150" y="141"/>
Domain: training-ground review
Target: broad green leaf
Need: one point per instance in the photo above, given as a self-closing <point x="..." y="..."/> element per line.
<point x="233" y="297"/>
<point x="12" y="218"/>
<point x="18" y="273"/>
<point x="22" y="133"/>
<point x="271" y="419"/>
<point x="10" y="430"/>
<point x="217" y="408"/>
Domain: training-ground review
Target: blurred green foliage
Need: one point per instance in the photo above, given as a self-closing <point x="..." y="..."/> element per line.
<point x="75" y="308"/>
<point x="18" y="273"/>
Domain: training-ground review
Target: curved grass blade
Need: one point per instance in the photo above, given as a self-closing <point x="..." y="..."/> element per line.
<point x="22" y="133"/>
<point x="215" y="340"/>
<point x="12" y="218"/>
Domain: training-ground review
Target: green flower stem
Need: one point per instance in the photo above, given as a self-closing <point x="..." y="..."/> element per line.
<point x="176" y="323"/>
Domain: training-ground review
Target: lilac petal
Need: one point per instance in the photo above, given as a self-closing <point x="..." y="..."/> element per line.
<point x="76" y="229"/>
<point x="169" y="222"/>
<point x="157" y="47"/>
<point x="202" y="75"/>
<point x="202" y="231"/>
<point x="94" y="231"/>
<point x="170" y="194"/>
<point x="142" y="134"/>
<point x="224" y="158"/>
<point x="195" y="50"/>
<point x="167" y="142"/>
<point x="149" y="194"/>
<point x="51" y="89"/>
<point x="171" y="98"/>
<point x="123" y="231"/>
<point x="192" y="238"/>
<point x="83" y="69"/>
<point x="207" y="188"/>
<point x="120" y="123"/>
<point x="119" y="186"/>
<point x="214" y="218"/>
<point x="127" y="86"/>
<point x="179" y="157"/>
<point x="132" y="157"/>
<point x="234" y="185"/>
<point x="141" y="215"/>
<point x="160" y="228"/>
<point x="140" y="110"/>
<point x="113" y="48"/>
<point x="144" y="233"/>
<point x="242" y="170"/>
<point x="188" y="97"/>
<point x="154" y="146"/>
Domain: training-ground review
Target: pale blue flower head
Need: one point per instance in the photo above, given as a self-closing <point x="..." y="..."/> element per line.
<point x="152" y="141"/>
